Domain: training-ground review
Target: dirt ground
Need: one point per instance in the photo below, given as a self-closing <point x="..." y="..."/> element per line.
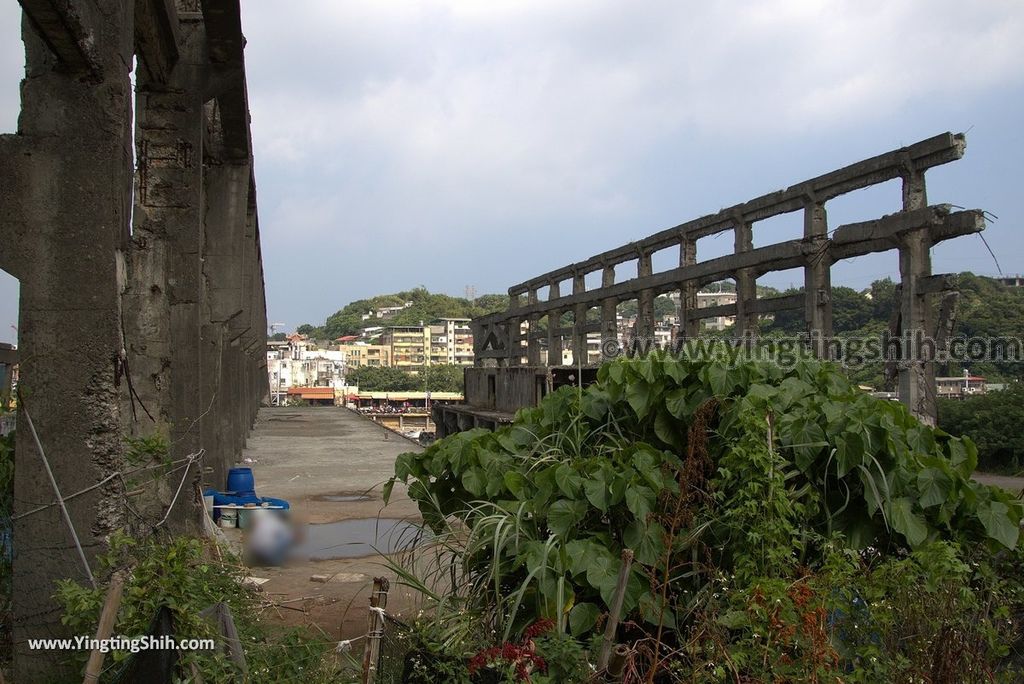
<point x="1010" y="483"/>
<point x="307" y="456"/>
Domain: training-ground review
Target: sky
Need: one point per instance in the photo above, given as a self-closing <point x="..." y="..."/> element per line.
<point x="473" y="143"/>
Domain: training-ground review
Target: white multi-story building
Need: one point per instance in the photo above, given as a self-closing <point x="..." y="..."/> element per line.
<point x="298" y="362"/>
<point x="451" y="341"/>
<point x="709" y="299"/>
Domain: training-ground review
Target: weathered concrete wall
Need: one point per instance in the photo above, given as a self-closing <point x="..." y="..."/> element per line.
<point x="126" y="330"/>
<point x="506" y="390"/>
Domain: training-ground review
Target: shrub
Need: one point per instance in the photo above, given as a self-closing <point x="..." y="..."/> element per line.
<point x="737" y="486"/>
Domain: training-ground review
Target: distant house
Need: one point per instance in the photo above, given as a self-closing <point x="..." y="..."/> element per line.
<point x="314" y="396"/>
<point x="958" y="387"/>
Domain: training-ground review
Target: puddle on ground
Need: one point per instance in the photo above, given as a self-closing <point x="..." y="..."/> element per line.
<point x="358" y="538"/>
<point x="342" y="497"/>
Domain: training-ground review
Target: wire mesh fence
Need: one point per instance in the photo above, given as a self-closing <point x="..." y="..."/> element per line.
<point x="394" y="649"/>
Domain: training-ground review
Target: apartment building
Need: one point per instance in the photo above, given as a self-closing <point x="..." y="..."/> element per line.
<point x="451" y="342"/>
<point x="359" y="354"/>
<point x="445" y="341"/>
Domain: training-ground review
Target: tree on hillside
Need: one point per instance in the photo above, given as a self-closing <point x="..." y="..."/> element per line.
<point x="383" y="379"/>
<point x="425" y="307"/>
<point x="443" y="378"/>
<point x="883" y="299"/>
<point x="995" y="421"/>
<point x="490" y="303"/>
<point x="851" y="310"/>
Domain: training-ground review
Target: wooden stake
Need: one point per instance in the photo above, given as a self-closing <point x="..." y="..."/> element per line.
<point x="374" y="629"/>
<point x="107" y="619"/>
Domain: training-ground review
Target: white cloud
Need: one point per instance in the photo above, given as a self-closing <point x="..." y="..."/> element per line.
<point x="547" y="98"/>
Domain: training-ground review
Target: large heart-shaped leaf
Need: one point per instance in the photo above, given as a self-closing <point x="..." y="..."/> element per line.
<point x="994" y="516"/>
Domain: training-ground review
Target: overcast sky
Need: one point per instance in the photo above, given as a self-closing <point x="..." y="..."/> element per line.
<point x="480" y="142"/>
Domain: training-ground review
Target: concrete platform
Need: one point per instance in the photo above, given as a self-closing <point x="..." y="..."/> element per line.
<point x="308" y="456"/>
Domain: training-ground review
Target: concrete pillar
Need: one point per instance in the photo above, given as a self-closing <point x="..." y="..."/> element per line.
<point x="162" y="304"/>
<point x="579" y="337"/>
<point x="532" y="342"/>
<point x="645" y="301"/>
<point x="609" y="310"/>
<point x="688" y="289"/>
<point x="226" y="220"/>
<point x="73" y="175"/>
<point x="609" y="326"/>
<point x="746" y="282"/>
<point x="211" y="399"/>
<point x="554" y="326"/>
<point x="818" y="280"/>
<point x="916" y="376"/>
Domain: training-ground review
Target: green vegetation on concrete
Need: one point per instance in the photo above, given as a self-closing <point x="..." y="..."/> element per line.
<point x="786" y="527"/>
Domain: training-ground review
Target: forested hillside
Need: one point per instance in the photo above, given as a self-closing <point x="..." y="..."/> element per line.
<point x="425" y="307"/>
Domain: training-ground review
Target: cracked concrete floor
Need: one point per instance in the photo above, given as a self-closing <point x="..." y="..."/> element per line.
<point x="331" y="465"/>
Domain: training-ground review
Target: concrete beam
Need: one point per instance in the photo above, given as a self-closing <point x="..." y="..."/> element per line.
<point x="940" y="149"/>
<point x="156" y="38"/>
<point x="757" y="306"/>
<point x="67" y="29"/>
<point x="847" y="241"/>
<point x="226" y="46"/>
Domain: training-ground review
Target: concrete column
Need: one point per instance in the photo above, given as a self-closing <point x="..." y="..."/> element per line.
<point x="688" y="289"/>
<point x="579" y="337"/>
<point x="212" y="400"/>
<point x="75" y="162"/>
<point x="514" y="351"/>
<point x="609" y="310"/>
<point x="916" y="376"/>
<point x="645" y="301"/>
<point x="515" y="338"/>
<point x="554" y="324"/>
<point x="609" y="327"/>
<point x="746" y="282"/>
<point x="818" y="279"/>
<point x="226" y="219"/>
<point x="532" y="342"/>
<point x="162" y="304"/>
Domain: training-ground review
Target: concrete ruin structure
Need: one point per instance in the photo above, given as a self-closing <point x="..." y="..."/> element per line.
<point x="129" y="218"/>
<point x="508" y="373"/>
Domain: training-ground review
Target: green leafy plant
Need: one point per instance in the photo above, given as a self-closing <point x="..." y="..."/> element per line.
<point x="705" y="469"/>
<point x="180" y="574"/>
